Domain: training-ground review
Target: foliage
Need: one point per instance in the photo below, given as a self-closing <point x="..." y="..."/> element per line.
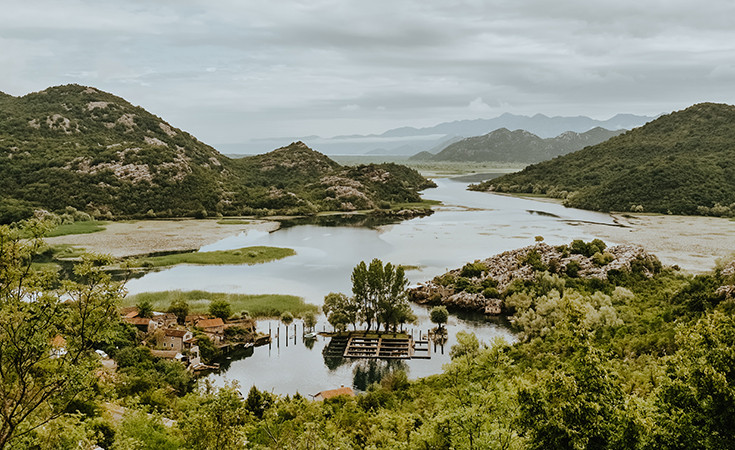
<point x="439" y="315"/>
<point x="287" y="318"/>
<point x="267" y="305"/>
<point x="310" y="320"/>
<point x="180" y="308"/>
<point x="681" y="163"/>
<point x="221" y="309"/>
<point x="247" y="255"/>
<point x="214" y="421"/>
<point x="48" y="329"/>
<point x="73" y="146"/>
<point x="145" y="308"/>
<point x="380" y="292"/>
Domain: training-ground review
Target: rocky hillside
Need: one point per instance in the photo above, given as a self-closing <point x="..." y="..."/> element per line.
<point x="81" y="147"/>
<point x="681" y="163"/>
<point x="484" y="284"/>
<point x="519" y="146"/>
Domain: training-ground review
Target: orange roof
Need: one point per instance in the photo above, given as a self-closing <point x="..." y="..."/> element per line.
<point x="336" y="392"/>
<point x="210" y="323"/>
<point x="137" y="320"/>
<point x="58" y="341"/>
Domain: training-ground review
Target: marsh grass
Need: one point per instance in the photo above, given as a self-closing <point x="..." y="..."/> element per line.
<point x="234" y="222"/>
<point x="257" y="306"/>
<point x="85" y="227"/>
<point x="81" y="227"/>
<point x="247" y="255"/>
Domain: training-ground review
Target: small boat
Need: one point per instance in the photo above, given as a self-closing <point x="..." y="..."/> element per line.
<point x="311" y="335"/>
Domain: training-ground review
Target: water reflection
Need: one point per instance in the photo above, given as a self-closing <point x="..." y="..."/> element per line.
<point x="369" y="371"/>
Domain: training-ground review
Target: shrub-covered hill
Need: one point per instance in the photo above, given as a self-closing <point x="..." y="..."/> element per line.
<point x="682" y="163"/>
<point x="503" y="145"/>
<point x="81" y="147"/>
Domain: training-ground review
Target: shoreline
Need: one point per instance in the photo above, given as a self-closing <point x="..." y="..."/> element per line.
<point x="694" y="243"/>
<point x="126" y="239"/>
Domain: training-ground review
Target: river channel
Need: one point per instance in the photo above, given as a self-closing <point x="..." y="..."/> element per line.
<point x="468" y="226"/>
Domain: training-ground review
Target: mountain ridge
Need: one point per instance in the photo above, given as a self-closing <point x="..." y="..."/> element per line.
<point x="680" y="163"/>
<point x="503" y="145"/>
<point x="76" y="146"/>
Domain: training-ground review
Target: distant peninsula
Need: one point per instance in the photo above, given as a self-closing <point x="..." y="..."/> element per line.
<point x="680" y="163"/>
<point x="76" y="146"/>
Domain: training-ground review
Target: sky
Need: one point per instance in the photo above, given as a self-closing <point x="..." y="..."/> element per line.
<point x="229" y="71"/>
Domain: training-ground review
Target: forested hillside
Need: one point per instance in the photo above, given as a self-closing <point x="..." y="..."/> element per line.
<point x="681" y="163"/>
<point x="80" y="147"/>
<point x="503" y="145"/>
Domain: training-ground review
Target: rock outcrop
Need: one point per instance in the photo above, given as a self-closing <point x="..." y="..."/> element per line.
<point x="481" y="289"/>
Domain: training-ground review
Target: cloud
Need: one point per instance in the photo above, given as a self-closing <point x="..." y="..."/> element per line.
<point x="479" y="106"/>
<point x="233" y="70"/>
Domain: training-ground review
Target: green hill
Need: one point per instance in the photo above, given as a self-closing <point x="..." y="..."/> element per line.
<point x="681" y="163"/>
<point x="81" y="147"/>
<point x="503" y="145"/>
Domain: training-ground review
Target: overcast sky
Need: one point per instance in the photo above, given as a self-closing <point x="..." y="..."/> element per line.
<point x="231" y="70"/>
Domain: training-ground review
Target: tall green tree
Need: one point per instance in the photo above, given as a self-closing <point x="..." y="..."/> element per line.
<point x="380" y="290"/>
<point x="48" y="330"/>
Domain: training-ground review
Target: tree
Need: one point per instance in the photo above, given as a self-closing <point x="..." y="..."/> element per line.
<point x="145" y="308"/>
<point x="346" y="306"/>
<point x="181" y="309"/>
<point x="338" y="320"/>
<point x="309" y="320"/>
<point x="380" y="292"/>
<point x="216" y="421"/>
<point x="47" y="332"/>
<point x="439" y="315"/>
<point x="221" y="309"/>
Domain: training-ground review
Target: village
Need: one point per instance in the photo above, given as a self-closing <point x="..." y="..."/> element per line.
<point x="187" y="340"/>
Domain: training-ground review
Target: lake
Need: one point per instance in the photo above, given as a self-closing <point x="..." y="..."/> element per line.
<point x="468" y="226"/>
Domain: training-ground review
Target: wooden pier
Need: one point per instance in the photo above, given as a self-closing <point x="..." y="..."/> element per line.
<point x="377" y="346"/>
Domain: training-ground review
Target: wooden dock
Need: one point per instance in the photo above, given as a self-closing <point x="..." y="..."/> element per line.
<point x="387" y="346"/>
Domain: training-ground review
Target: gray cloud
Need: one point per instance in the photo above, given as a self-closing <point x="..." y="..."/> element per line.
<point x="229" y="70"/>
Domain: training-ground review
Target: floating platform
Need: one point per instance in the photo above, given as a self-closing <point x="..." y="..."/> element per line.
<point x="372" y="346"/>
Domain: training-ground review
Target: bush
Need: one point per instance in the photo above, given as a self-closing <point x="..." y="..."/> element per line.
<point x="572" y="269"/>
<point x="221" y="309"/>
<point x="473" y="270"/>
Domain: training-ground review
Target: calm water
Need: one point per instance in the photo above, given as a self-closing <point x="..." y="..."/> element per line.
<point x="470" y="225"/>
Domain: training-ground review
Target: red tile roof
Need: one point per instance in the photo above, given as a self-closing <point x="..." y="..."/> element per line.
<point x="137" y="320"/>
<point x="336" y="392"/>
<point x="210" y="323"/>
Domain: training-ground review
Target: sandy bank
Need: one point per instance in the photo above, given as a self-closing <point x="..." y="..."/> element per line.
<point x="147" y="236"/>
<point x="691" y="242"/>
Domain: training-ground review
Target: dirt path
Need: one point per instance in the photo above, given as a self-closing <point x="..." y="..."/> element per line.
<point x="122" y="239"/>
<point x="693" y="243"/>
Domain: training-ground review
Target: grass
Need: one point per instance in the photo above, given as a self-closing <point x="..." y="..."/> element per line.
<point x="424" y="203"/>
<point x="86" y="227"/>
<point x="257" y="306"/>
<point x="233" y="222"/>
<point x="247" y="255"/>
<point x="66" y="251"/>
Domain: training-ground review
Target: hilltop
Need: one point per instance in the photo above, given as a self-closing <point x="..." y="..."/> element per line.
<point x="680" y="163"/>
<point x="76" y="146"/>
<point x="503" y="145"/>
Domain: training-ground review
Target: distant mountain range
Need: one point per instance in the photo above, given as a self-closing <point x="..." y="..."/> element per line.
<point x="503" y="145"/>
<point x="409" y="141"/>
<point x="680" y="163"/>
<point x="76" y="146"/>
